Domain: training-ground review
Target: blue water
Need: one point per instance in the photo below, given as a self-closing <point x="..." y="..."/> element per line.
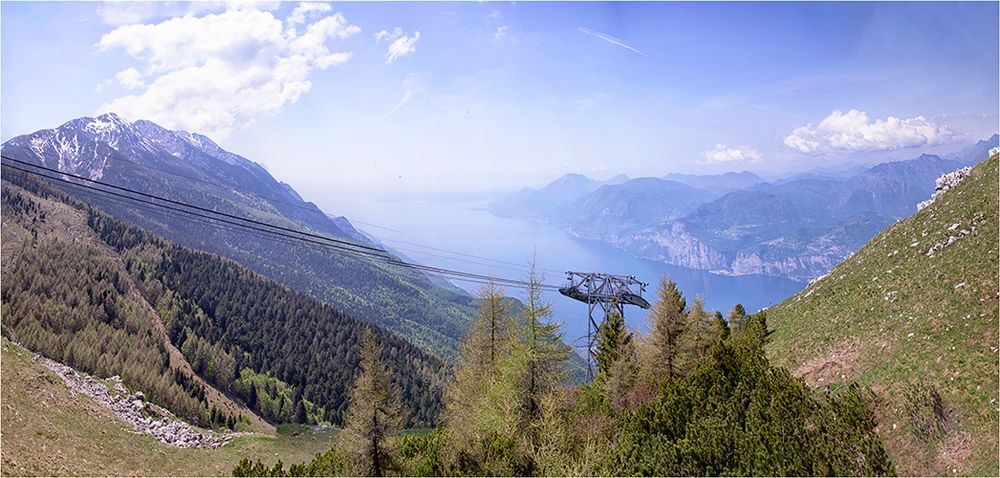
<point x="509" y="244"/>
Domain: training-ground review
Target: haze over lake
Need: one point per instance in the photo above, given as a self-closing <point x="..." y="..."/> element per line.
<point x="505" y="245"/>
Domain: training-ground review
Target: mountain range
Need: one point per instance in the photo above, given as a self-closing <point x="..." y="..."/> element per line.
<point x="737" y="223"/>
<point x="192" y="168"/>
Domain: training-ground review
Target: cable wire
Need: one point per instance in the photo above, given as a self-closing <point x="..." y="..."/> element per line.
<point x="347" y="247"/>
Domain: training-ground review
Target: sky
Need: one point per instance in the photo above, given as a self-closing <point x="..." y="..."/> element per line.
<point x="343" y="99"/>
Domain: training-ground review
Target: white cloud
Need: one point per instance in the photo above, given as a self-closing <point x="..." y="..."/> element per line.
<point x="610" y="39"/>
<point x="412" y="86"/>
<point x="723" y="154"/>
<point x="130" y="78"/>
<point x="220" y="72"/>
<point x="124" y="13"/>
<point x="402" y="46"/>
<point x="305" y="10"/>
<point x="853" y="131"/>
<point x="495" y="14"/>
<point x="386" y="35"/>
<point x="501" y="31"/>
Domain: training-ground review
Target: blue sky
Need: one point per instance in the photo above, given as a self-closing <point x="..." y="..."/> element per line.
<point x="350" y="98"/>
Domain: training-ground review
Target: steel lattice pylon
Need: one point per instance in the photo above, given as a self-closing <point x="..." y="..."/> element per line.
<point x="609" y="291"/>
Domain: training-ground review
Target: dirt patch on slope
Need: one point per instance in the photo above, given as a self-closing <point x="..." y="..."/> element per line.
<point x="837" y="365"/>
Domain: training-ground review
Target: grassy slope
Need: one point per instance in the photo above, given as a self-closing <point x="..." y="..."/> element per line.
<point x="890" y="316"/>
<point x="47" y="431"/>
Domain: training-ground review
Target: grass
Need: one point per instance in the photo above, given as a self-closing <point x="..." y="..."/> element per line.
<point x="45" y="431"/>
<point x="892" y="318"/>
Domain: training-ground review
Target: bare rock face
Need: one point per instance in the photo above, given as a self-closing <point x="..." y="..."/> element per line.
<point x="672" y="244"/>
<point x="144" y="416"/>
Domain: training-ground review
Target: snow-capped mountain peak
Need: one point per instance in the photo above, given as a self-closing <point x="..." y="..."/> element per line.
<point x="106" y="124"/>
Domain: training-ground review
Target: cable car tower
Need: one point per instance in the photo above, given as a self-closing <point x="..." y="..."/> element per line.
<point x="610" y="292"/>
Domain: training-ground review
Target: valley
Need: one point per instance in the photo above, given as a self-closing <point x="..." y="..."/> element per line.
<point x="465" y="236"/>
<point x="241" y="356"/>
<point x="499" y="239"/>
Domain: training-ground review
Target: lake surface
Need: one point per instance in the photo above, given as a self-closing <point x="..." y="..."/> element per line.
<point x="446" y="234"/>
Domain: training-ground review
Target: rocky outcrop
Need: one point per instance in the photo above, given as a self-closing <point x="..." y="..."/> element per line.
<point x="144" y="416"/>
<point x="945" y="183"/>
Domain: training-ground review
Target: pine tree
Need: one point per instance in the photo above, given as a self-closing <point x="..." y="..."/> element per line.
<point x="613" y="341"/>
<point x="252" y="397"/>
<point x="720" y="328"/>
<point x="300" y="412"/>
<point x="374" y="414"/>
<point x="668" y="323"/>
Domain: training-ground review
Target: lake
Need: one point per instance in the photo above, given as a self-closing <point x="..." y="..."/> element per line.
<point x="448" y="233"/>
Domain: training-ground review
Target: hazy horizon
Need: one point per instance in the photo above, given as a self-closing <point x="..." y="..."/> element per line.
<point x="356" y="99"/>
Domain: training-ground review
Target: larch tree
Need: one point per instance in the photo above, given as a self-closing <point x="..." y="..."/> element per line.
<point x="534" y="366"/>
<point x="373" y="416"/>
<point x="698" y="335"/>
<point x="487" y="342"/>
<point x="668" y="323"/>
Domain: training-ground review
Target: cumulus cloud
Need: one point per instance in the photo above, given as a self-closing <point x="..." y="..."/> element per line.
<point x="130" y="78"/>
<point x="723" y="154"/>
<point x="125" y="13"/>
<point x="402" y="46"/>
<point x="219" y="72"/>
<point x="305" y="10"/>
<point x="854" y="131"/>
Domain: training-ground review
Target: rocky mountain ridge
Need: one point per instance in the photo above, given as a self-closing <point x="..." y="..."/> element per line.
<point x="797" y="228"/>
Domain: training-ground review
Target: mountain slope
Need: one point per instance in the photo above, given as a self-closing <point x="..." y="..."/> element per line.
<point x="191" y="168"/>
<point x="632" y="204"/>
<point x="68" y="295"/>
<point x="735" y="223"/>
<point x="47" y="431"/>
<point x="89" y="290"/>
<point x="913" y="313"/>
<point x="797" y="229"/>
<point x="552" y="199"/>
<point x="717" y="183"/>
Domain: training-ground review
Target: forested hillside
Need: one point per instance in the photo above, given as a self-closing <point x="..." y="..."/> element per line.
<point x="192" y="168"/>
<point x="913" y="315"/>
<point x="76" y="283"/>
<point x="694" y="397"/>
